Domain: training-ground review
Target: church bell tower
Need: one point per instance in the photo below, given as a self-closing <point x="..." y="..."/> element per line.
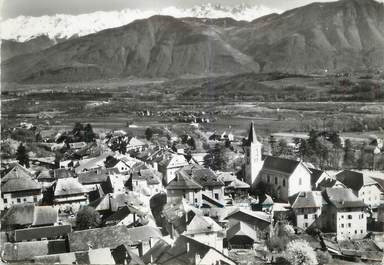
<point x="253" y="154"/>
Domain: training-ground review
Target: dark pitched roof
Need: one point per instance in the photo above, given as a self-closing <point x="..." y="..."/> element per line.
<point x="280" y="164"/>
<point x="354" y="180"/>
<point x="19" y="214"/>
<point x="327" y="182"/>
<point x="203" y="176"/>
<point x="182" y="181"/>
<point x="156" y="251"/>
<point x="184" y="251"/>
<point x="315" y="175"/>
<point x="20" y="184"/>
<point x="42" y="232"/>
<point x="265" y="199"/>
<point x="351" y="179"/>
<point x="119" y="215"/>
<point x="249" y="215"/>
<point x="17" y="172"/>
<point x="380" y="182"/>
<point x="112" y="202"/>
<point x="307" y="199"/>
<point x="342" y="198"/>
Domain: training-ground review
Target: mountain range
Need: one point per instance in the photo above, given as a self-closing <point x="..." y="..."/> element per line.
<point x="62" y="26"/>
<point x="347" y="35"/>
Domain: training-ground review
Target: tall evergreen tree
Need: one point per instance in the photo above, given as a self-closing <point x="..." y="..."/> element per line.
<point x="22" y="155"/>
<point x="89" y="135"/>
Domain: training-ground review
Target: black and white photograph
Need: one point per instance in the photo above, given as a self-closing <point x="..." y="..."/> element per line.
<point x="192" y="132"/>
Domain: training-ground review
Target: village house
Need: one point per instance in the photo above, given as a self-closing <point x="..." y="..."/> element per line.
<point x="182" y="186"/>
<point x="111" y="203"/>
<point x="69" y="192"/>
<point x="141" y="239"/>
<point x="128" y="215"/>
<point x="185" y="250"/>
<point x="205" y="230"/>
<point x="256" y="219"/>
<point x="241" y="235"/>
<point x="237" y="189"/>
<point x="92" y="178"/>
<point x="307" y="206"/>
<point x="177" y="214"/>
<point x="344" y="214"/>
<point x="167" y="163"/>
<point x="147" y="181"/>
<point x="212" y="187"/>
<point x="135" y="145"/>
<point x="363" y="186"/>
<point x="92" y="163"/>
<point x="17" y="186"/>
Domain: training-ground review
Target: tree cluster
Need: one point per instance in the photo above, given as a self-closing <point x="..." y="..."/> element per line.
<point x="217" y="158"/>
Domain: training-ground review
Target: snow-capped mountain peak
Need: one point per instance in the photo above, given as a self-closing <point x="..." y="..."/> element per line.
<point x="63" y="26"/>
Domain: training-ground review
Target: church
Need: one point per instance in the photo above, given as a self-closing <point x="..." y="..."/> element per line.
<point x="286" y="177"/>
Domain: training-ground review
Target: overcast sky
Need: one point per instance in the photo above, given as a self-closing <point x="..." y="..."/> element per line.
<point x="14" y="8"/>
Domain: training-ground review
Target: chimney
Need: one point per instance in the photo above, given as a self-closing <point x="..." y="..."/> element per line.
<point x="187" y="247"/>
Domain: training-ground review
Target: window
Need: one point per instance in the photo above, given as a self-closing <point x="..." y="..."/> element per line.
<point x="315" y="216"/>
<point x="25" y="199"/>
<point x="342" y="216"/>
<point x="305" y="216"/>
<point x="216" y="196"/>
<point x="195" y="200"/>
<point x="342" y="225"/>
<point x="306" y="225"/>
<point x="349" y="224"/>
<point x="299" y="181"/>
<point x="5" y="200"/>
<point x="275" y="180"/>
<point x="283" y="182"/>
<point x="268" y="178"/>
<point x="355" y="232"/>
<point x="361" y="231"/>
<point x="349" y="216"/>
<point x="18" y="200"/>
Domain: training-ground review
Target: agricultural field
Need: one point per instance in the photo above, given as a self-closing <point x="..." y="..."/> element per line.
<point x="265" y="99"/>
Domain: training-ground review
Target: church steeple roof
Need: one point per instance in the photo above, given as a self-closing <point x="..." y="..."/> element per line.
<point x="251" y="135"/>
